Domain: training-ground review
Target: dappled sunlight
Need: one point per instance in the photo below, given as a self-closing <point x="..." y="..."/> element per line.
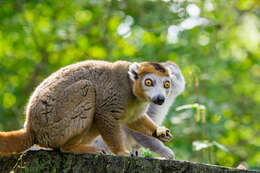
<point x="192" y="21"/>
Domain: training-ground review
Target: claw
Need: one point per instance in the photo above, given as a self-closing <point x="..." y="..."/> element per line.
<point x="102" y="152"/>
<point x="134" y="153"/>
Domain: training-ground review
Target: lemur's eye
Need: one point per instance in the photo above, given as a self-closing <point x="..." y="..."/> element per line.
<point x="148" y="82"/>
<point x="166" y="84"/>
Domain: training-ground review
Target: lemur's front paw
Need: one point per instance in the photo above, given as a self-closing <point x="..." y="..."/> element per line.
<point x="163" y="134"/>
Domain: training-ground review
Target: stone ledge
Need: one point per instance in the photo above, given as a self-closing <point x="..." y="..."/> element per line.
<point x="54" y="161"/>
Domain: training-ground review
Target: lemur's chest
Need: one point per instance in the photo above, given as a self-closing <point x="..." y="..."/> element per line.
<point x="133" y="111"/>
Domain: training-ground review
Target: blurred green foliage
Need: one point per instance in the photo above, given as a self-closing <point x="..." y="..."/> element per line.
<point x="215" y="42"/>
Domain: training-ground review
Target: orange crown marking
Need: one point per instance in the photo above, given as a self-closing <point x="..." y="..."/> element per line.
<point x="155" y="68"/>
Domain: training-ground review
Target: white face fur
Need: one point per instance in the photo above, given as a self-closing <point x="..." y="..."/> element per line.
<point x="153" y="87"/>
<point x="177" y="79"/>
<point x="156" y="88"/>
<point x="177" y="85"/>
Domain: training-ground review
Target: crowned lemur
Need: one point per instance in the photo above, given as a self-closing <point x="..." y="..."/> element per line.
<point x="157" y="113"/>
<point x="74" y="105"/>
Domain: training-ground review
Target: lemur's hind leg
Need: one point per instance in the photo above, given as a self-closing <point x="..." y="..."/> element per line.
<point x="79" y="107"/>
<point x="112" y="134"/>
<point x="85" y="142"/>
<point x="154" y="145"/>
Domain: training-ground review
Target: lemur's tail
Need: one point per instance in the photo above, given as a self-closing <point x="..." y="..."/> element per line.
<point x="15" y="141"/>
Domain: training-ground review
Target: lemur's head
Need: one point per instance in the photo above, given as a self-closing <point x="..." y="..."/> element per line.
<point x="151" y="81"/>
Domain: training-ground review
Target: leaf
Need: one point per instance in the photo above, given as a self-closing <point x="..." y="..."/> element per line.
<point x="189" y="106"/>
<point x="145" y="152"/>
<point x="199" y="145"/>
<point x="200" y="115"/>
<point x="220" y="146"/>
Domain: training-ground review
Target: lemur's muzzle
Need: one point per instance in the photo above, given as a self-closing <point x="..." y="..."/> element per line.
<point x="159" y="100"/>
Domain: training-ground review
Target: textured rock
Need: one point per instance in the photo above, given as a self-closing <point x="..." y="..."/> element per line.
<point x="54" y="161"/>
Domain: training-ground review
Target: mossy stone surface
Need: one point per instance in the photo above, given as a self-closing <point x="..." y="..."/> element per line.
<point x="56" y="162"/>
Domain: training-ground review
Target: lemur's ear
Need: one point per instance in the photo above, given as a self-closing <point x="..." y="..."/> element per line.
<point x="174" y="69"/>
<point x="133" y="71"/>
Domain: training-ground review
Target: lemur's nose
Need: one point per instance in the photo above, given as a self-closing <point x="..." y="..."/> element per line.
<point x="159" y="100"/>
